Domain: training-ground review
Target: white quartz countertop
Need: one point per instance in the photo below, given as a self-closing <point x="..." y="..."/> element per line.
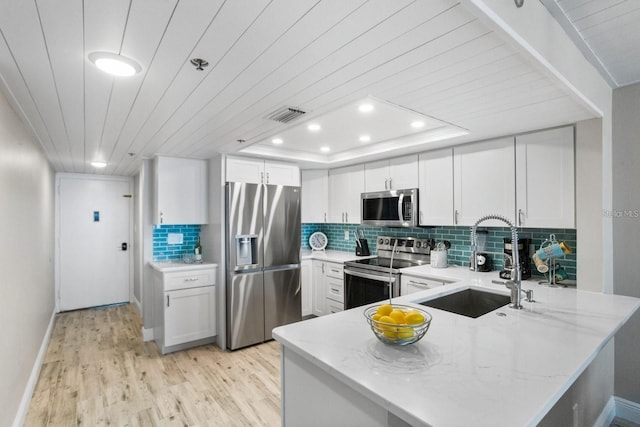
<point x="468" y="371"/>
<point x="169" y="266"/>
<point x="331" y="255"/>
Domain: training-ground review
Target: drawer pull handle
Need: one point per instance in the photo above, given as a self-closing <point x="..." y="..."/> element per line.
<point x="191" y="279"/>
<point x="168" y="301"/>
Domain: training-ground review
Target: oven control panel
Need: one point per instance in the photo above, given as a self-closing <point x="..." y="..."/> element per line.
<point x="405" y="244"/>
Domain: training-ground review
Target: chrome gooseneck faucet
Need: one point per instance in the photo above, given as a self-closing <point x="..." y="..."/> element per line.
<point x="515" y="284"/>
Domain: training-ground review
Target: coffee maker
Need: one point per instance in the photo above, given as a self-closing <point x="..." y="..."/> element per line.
<point x="523" y="256"/>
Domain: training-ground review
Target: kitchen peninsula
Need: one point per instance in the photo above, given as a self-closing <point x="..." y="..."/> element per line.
<point x="495" y="370"/>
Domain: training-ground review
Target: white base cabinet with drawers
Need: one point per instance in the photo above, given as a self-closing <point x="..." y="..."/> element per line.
<point x="185" y="303"/>
<point x="328" y="287"/>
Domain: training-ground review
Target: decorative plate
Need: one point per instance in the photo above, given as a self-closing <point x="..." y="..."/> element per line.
<point x="318" y="241"/>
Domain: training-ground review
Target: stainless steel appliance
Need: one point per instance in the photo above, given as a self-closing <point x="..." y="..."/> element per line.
<point x="393" y="208"/>
<point x="368" y="280"/>
<point x="524" y="259"/>
<point x="263" y="261"/>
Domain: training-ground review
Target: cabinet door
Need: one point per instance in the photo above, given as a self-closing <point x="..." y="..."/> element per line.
<point x="181" y="191"/>
<point x="307" y="287"/>
<point x="314" y="198"/>
<point x="189" y="315"/>
<point x="345" y="186"/>
<point x="403" y="172"/>
<point x="282" y="174"/>
<point x="245" y="170"/>
<point x="484" y="181"/>
<point x="410" y="284"/>
<point x="545" y="179"/>
<point x="436" y="187"/>
<point x="376" y="176"/>
<point x="319" y="288"/>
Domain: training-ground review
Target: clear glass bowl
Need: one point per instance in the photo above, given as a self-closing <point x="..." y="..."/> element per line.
<point x="394" y="333"/>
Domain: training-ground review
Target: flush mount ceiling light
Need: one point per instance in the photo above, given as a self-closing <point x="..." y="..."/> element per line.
<point x="417" y="124"/>
<point x="365" y="108"/>
<point x="364" y="138"/>
<point x="98" y="164"/>
<point x="325" y="149"/>
<point x="114" y="64"/>
<point x="276" y="141"/>
<point x="314" y="127"/>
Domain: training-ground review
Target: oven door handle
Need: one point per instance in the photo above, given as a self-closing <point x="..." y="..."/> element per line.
<point x="379" y="278"/>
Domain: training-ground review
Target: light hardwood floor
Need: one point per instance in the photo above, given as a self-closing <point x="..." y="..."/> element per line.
<point x="98" y="372"/>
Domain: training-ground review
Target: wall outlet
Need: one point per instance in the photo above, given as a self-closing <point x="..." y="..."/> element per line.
<point x="175" y="238"/>
<point x="346" y="234"/>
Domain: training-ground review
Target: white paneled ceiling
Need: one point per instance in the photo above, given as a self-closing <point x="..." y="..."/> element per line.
<point x="432" y="57"/>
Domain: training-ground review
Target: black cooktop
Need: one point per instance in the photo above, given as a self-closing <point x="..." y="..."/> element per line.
<point x="384" y="262"/>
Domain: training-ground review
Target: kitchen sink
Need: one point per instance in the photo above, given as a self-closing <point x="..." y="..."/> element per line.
<point x="469" y="302"/>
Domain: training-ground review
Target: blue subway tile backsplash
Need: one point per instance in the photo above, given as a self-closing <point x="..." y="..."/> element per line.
<point x="163" y="251"/>
<point x="460" y="237"/>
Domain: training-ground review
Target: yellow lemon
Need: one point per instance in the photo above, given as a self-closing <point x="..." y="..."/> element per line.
<point x="384" y="309"/>
<point x="390" y="334"/>
<point x="414" y="318"/>
<point x="376" y="317"/>
<point x="405" y="333"/>
<point x="398" y="316"/>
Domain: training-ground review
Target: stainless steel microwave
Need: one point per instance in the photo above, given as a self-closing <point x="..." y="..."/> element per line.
<point x="393" y="208"/>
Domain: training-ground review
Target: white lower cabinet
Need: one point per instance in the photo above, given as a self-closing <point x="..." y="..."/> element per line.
<point x="185" y="303"/>
<point x="307" y="287"/>
<point x="411" y="284"/>
<point x="328" y="287"/>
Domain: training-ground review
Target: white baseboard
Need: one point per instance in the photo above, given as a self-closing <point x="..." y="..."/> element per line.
<point x="607" y="415"/>
<point x="627" y="409"/>
<point x="35" y="373"/>
<point x="147" y="334"/>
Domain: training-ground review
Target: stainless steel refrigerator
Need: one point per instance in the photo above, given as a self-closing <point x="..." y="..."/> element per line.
<point x="263" y="261"/>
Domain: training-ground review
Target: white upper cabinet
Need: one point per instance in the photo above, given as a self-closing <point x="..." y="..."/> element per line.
<point x="484" y="181"/>
<point x="256" y="171"/>
<point x="395" y="174"/>
<point x="435" y="189"/>
<point x="314" y="200"/>
<point x="180" y="195"/>
<point x="345" y="186"/>
<point x="545" y="179"/>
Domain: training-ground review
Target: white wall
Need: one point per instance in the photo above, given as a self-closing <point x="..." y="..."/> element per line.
<point x="626" y="232"/>
<point x="26" y="258"/>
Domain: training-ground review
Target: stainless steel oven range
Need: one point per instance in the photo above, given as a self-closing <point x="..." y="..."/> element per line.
<point x="368" y="280"/>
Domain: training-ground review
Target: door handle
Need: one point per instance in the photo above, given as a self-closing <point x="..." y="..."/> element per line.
<point x="123" y="246"/>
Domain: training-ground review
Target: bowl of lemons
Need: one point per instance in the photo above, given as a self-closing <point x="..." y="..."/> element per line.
<point x="397" y="324"/>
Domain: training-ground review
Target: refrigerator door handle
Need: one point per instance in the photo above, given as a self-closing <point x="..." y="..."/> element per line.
<point x="282" y="267"/>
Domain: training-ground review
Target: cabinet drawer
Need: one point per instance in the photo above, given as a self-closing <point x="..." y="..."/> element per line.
<point x="334" y="306"/>
<point x="189" y="279"/>
<point x="335" y="289"/>
<point x="426" y="283"/>
<point x="335" y="270"/>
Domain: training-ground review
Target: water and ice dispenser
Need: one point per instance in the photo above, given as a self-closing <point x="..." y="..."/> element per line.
<point x="246" y="250"/>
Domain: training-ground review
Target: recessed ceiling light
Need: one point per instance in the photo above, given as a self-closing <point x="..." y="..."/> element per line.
<point x="365" y="138"/>
<point x="313" y="127"/>
<point x="276" y="141"/>
<point x="98" y="164"/>
<point x="325" y="149"/>
<point x="115" y="64"/>
<point x="417" y="124"/>
<point x="365" y="108"/>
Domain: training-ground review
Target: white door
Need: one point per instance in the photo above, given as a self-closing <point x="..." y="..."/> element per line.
<point x="93" y="229"/>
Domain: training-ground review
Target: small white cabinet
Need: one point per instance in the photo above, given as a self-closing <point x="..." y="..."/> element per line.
<point x="345" y="186"/>
<point x="394" y="174"/>
<point x="411" y="284"/>
<point x="435" y="171"/>
<point x="180" y="194"/>
<point x="262" y="172"/>
<point x="545" y="179"/>
<point x="484" y="182"/>
<point x="314" y="198"/>
<point x="307" y="287"/>
<point x="185" y="307"/>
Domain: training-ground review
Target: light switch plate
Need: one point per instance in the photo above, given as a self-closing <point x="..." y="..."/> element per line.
<point x="346" y="235"/>
<point x="174" y="238"/>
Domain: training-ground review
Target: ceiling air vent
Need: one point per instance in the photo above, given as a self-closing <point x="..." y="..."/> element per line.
<point x="286" y="114"/>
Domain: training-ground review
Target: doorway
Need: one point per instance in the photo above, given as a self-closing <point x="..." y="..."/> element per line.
<point x="93" y="230"/>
